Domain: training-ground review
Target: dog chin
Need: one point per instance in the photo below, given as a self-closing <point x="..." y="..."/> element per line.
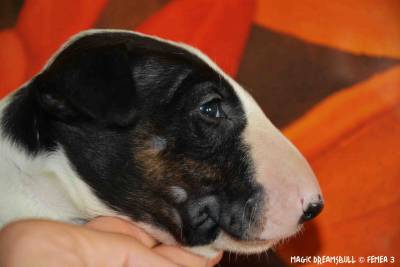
<point x="228" y="243"/>
<point x="224" y="242"/>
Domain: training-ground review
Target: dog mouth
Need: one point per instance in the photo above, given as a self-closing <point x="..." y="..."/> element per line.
<point x="224" y="241"/>
<point x="208" y="221"/>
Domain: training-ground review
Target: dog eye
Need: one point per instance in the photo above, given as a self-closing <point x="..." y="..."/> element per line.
<point x="212" y="109"/>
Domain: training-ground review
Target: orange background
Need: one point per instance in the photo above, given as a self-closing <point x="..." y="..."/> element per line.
<point x="352" y="137"/>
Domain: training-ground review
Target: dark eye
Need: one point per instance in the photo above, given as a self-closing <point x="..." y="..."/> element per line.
<point x="212" y="109"/>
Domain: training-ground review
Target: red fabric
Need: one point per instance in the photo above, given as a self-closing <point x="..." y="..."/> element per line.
<point x="43" y="25"/>
<point x="352" y="141"/>
<point x="359" y="26"/>
<point x="13" y="52"/>
<point x="218" y="28"/>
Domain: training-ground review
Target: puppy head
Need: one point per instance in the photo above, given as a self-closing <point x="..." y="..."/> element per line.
<point x="164" y="137"/>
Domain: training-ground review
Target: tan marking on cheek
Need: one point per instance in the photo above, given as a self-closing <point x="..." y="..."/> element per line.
<point x="157" y="166"/>
<point x="151" y="163"/>
<point x="152" y="156"/>
<point x="206" y="171"/>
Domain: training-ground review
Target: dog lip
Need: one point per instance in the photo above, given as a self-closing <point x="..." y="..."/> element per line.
<point x="288" y="234"/>
<point x="227" y="242"/>
<point x="262" y="242"/>
<point x="255" y="241"/>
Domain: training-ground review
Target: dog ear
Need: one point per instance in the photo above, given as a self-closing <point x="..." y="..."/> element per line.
<point x="90" y="79"/>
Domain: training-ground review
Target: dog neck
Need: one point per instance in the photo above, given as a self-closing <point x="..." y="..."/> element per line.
<point x="41" y="185"/>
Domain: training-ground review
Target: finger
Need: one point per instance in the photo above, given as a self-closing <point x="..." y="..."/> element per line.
<point x="29" y="243"/>
<point x="147" y="260"/>
<point x="181" y="257"/>
<point x="138" y="255"/>
<point x="215" y="260"/>
<point x="114" y="249"/>
<point x="120" y="226"/>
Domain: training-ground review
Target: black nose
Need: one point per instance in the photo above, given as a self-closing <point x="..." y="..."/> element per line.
<point x="312" y="211"/>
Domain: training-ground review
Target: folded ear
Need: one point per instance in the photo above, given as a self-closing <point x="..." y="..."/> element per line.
<point x="91" y="78"/>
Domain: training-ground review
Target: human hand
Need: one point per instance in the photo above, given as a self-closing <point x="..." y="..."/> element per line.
<point x="105" y="241"/>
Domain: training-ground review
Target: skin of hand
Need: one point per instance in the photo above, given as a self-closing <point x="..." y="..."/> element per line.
<point x="103" y="242"/>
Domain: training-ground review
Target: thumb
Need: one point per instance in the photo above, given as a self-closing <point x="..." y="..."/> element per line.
<point x="117" y="225"/>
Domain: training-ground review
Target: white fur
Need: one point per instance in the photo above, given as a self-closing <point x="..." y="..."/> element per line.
<point x="44" y="186"/>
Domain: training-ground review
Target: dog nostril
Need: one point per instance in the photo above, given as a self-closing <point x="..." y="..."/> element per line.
<point x="312" y="211"/>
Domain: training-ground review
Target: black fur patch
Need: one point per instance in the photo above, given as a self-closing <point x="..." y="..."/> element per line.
<point x="126" y="110"/>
